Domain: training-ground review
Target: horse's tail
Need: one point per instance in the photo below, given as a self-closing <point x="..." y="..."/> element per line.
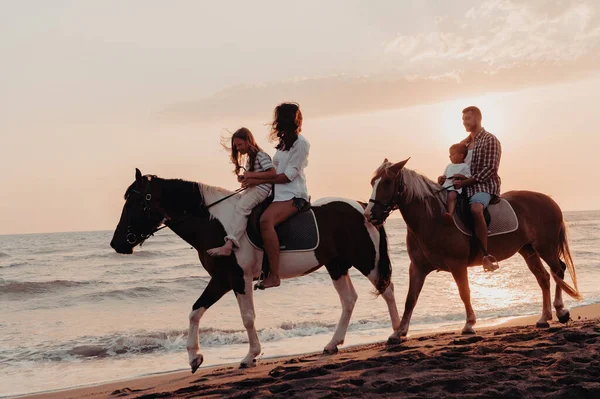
<point x="384" y="266"/>
<point x="565" y="253"/>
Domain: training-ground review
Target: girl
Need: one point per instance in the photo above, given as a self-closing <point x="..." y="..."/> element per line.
<point x="258" y="166"/>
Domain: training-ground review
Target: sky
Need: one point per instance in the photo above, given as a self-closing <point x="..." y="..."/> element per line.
<point x="91" y="90"/>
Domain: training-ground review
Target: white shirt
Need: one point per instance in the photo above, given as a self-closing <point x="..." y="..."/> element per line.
<point x="455" y="169"/>
<point x="292" y="164"/>
<point x="469" y="157"/>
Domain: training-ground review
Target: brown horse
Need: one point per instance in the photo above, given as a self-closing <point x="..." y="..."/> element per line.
<point x="346" y="240"/>
<point x="437" y="245"/>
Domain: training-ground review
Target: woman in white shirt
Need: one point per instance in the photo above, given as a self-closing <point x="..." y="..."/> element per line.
<point x="290" y="192"/>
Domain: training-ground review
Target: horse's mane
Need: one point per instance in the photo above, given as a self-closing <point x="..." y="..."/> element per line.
<point x="386" y="164"/>
<point x="187" y="195"/>
<point x="223" y="210"/>
<point x="420" y="188"/>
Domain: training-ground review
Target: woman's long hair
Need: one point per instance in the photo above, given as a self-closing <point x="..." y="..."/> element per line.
<point x="236" y="158"/>
<point x="287" y="124"/>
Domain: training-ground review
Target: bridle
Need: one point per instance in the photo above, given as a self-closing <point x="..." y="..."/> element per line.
<point x="394" y="202"/>
<point x="132" y="238"/>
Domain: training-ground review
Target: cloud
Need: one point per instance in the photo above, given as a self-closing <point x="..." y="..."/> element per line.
<point x="501" y="33"/>
<point x="498" y="45"/>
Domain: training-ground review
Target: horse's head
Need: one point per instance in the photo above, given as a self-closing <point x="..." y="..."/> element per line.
<point x="141" y="214"/>
<point x="387" y="186"/>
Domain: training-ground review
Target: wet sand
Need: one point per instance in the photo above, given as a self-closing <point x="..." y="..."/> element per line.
<point x="513" y="360"/>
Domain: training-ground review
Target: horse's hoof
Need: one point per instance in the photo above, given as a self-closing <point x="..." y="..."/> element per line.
<point x="542" y="324"/>
<point x="565" y="317"/>
<point x="196" y="363"/>
<point x="244" y="365"/>
<point x="396" y="340"/>
<point x="330" y="351"/>
<point x="468" y="331"/>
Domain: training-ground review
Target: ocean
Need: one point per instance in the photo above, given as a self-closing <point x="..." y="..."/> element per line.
<point x="76" y="313"/>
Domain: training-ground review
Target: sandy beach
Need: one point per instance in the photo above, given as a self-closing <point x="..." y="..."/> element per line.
<point x="514" y="359"/>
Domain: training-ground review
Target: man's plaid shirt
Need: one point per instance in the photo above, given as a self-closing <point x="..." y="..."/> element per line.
<point x="484" y="164"/>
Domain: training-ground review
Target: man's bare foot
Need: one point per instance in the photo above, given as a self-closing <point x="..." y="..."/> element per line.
<point x="225" y="250"/>
<point x="269" y="282"/>
<point x="490" y="264"/>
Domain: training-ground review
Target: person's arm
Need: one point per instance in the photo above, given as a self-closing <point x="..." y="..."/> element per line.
<point x="491" y="160"/>
<point x="261" y="176"/>
<point x="298" y="157"/>
<point x="268" y="177"/>
<point x="442" y="179"/>
<point x="266" y="164"/>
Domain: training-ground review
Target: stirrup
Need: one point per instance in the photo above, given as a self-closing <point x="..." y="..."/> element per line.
<point x="493" y="261"/>
<point x="259" y="285"/>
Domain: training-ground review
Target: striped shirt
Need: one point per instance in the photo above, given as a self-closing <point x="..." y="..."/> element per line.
<point x="485" y="163"/>
<point x="262" y="163"/>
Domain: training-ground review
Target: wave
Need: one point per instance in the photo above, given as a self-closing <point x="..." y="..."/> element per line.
<point x="4" y="255"/>
<point x="16" y="264"/>
<point x="126" y="293"/>
<point x="9" y="287"/>
<point x="144" y="342"/>
<point x="123" y="344"/>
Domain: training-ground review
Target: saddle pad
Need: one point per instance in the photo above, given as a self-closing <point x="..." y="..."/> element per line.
<point x="299" y="233"/>
<point x="503" y="220"/>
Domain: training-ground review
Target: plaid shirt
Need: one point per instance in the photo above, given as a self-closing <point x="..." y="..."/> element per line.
<point x="485" y="163"/>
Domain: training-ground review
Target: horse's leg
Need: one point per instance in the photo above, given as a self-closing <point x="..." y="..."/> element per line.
<point x="543" y="278"/>
<point x="212" y="293"/>
<point x="416" y="280"/>
<point x="559" y="267"/>
<point x="390" y="301"/>
<point x="461" y="277"/>
<point x="348" y="296"/>
<point x="246" y="304"/>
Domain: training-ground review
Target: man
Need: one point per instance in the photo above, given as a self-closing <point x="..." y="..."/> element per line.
<point x="485" y="182"/>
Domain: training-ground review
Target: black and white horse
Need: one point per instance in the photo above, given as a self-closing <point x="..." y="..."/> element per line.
<point x="346" y="240"/>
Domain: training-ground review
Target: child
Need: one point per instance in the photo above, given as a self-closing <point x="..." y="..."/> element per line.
<point x="258" y="166"/>
<point x="458" y="152"/>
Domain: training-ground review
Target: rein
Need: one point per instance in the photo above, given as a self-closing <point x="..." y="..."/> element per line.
<point x="181" y="218"/>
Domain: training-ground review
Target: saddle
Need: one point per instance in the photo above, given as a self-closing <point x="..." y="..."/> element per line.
<point x="300" y="233"/>
<point x="499" y="217"/>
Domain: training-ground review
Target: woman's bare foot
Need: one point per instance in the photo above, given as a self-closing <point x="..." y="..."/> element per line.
<point x="269" y="282"/>
<point x="225" y="250"/>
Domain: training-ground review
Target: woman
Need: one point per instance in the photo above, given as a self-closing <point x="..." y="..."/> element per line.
<point x="258" y="165"/>
<point x="290" y="192"/>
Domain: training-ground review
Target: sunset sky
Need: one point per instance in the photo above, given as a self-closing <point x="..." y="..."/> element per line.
<point x="92" y="89"/>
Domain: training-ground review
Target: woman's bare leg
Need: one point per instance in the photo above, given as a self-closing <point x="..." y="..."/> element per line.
<point x="275" y="214"/>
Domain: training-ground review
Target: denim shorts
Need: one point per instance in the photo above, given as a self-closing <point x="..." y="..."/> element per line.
<point x="481" y="198"/>
<point x="300" y="203"/>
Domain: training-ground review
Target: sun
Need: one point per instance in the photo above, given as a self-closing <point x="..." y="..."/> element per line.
<point x="494" y="109"/>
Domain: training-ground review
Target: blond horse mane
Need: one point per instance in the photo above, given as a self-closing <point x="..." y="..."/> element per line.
<point x="419" y="188"/>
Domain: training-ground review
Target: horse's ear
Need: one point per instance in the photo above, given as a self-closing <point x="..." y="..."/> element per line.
<point x="385" y="160"/>
<point x="138" y="175"/>
<point x="397" y="167"/>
